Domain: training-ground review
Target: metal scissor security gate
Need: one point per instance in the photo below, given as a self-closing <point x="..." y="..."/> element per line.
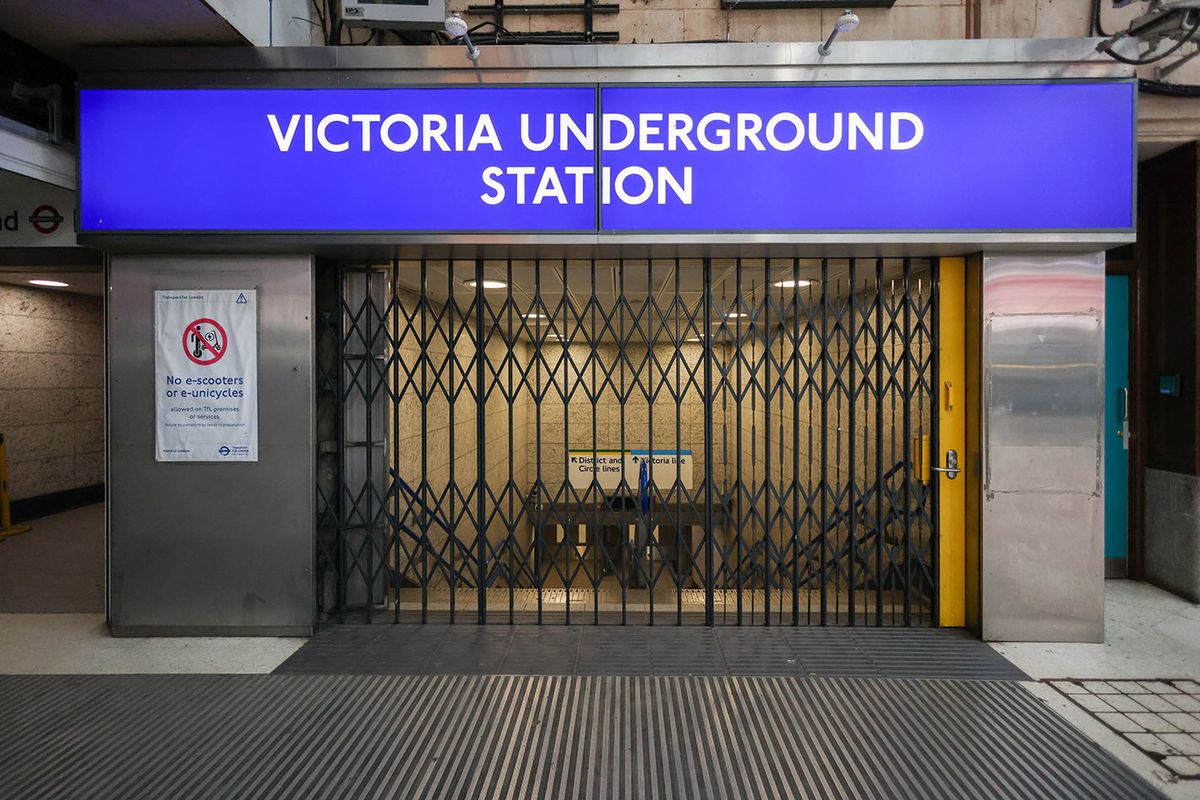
<point x="680" y="441"/>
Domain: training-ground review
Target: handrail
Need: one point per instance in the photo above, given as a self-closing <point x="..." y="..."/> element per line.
<point x="421" y="539"/>
<point x="491" y="571"/>
<point x="839" y="516"/>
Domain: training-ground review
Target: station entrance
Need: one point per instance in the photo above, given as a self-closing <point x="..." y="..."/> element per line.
<point x="707" y="441"/>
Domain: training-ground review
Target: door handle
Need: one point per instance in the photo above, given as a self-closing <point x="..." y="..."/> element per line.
<point x="1124" y="432"/>
<point x="951" y="469"/>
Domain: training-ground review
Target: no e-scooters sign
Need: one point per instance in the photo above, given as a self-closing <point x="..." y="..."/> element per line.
<point x="205" y="341"/>
<point x="206" y="374"/>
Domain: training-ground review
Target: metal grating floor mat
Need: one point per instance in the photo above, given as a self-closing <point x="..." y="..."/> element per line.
<point x="661" y="650"/>
<point x="343" y="736"/>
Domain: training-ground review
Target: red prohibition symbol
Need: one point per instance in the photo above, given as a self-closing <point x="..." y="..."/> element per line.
<point x="205" y="341"/>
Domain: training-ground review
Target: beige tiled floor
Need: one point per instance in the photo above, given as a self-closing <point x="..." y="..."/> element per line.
<point x="1161" y="718"/>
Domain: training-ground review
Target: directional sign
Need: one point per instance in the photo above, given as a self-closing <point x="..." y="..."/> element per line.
<point x="608" y="466"/>
<point x="603" y="465"/>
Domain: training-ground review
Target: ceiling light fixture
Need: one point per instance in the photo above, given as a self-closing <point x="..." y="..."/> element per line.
<point x="54" y="284"/>
<point x="533" y="314"/>
<point x="735" y="314"/>
<point x="789" y="283"/>
<point x="488" y="283"/>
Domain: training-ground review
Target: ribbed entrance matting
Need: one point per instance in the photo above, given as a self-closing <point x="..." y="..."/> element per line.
<point x="640" y="650"/>
<point x="310" y="736"/>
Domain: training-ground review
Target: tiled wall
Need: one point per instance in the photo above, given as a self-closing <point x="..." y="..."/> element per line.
<point x="51" y="389"/>
<point x="803" y="432"/>
<point x="581" y="408"/>
<point x="563" y="426"/>
<point x="451" y="464"/>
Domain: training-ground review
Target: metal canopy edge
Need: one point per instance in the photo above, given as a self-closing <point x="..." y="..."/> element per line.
<point x="728" y="62"/>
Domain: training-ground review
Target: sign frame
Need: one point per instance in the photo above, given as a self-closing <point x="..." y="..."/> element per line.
<point x="658" y="236"/>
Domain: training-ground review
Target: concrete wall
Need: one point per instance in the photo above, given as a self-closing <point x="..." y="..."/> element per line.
<point x="51" y="389"/>
<point x="1172" y="543"/>
<point x="279" y="23"/>
<point x="1167" y="428"/>
<point x="199" y="548"/>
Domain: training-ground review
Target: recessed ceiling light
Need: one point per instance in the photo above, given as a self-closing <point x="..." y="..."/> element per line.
<point x="694" y="339"/>
<point x="489" y="283"/>
<point x="55" y="284"/>
<point x="735" y="314"/>
<point x="531" y="314"/>
<point x="789" y="283"/>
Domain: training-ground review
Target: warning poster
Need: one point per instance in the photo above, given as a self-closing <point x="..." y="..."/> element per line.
<point x="206" y="374"/>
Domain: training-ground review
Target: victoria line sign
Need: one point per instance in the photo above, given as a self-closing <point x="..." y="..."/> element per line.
<point x="1055" y="156"/>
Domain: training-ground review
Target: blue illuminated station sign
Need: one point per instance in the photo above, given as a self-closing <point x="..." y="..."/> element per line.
<point x="1054" y="156"/>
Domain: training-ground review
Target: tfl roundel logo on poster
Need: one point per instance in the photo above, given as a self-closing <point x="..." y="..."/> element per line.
<point x="1049" y="156"/>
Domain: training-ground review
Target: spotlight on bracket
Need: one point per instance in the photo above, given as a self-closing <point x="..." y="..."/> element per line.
<point x="847" y="22"/>
<point x="456" y="27"/>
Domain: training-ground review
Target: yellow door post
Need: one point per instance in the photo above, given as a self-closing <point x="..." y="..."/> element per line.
<point x="6" y="526"/>
<point x="952" y="430"/>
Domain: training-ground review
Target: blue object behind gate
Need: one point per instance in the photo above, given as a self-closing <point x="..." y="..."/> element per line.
<point x="1116" y="409"/>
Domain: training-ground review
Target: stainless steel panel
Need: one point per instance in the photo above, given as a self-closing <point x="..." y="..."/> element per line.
<point x="1042" y="377"/>
<point x="683" y="245"/>
<point x="956" y="59"/>
<point x="212" y="546"/>
<point x="365" y="410"/>
<point x="1043" y="533"/>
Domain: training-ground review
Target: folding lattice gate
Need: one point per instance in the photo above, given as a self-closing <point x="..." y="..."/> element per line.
<point x="705" y="441"/>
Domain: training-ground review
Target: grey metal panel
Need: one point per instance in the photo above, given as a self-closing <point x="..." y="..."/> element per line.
<point x="319" y="736"/>
<point x="689" y="245"/>
<point x="1043" y="533"/>
<point x="364" y="460"/>
<point x="954" y="59"/>
<point x="212" y="546"/>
